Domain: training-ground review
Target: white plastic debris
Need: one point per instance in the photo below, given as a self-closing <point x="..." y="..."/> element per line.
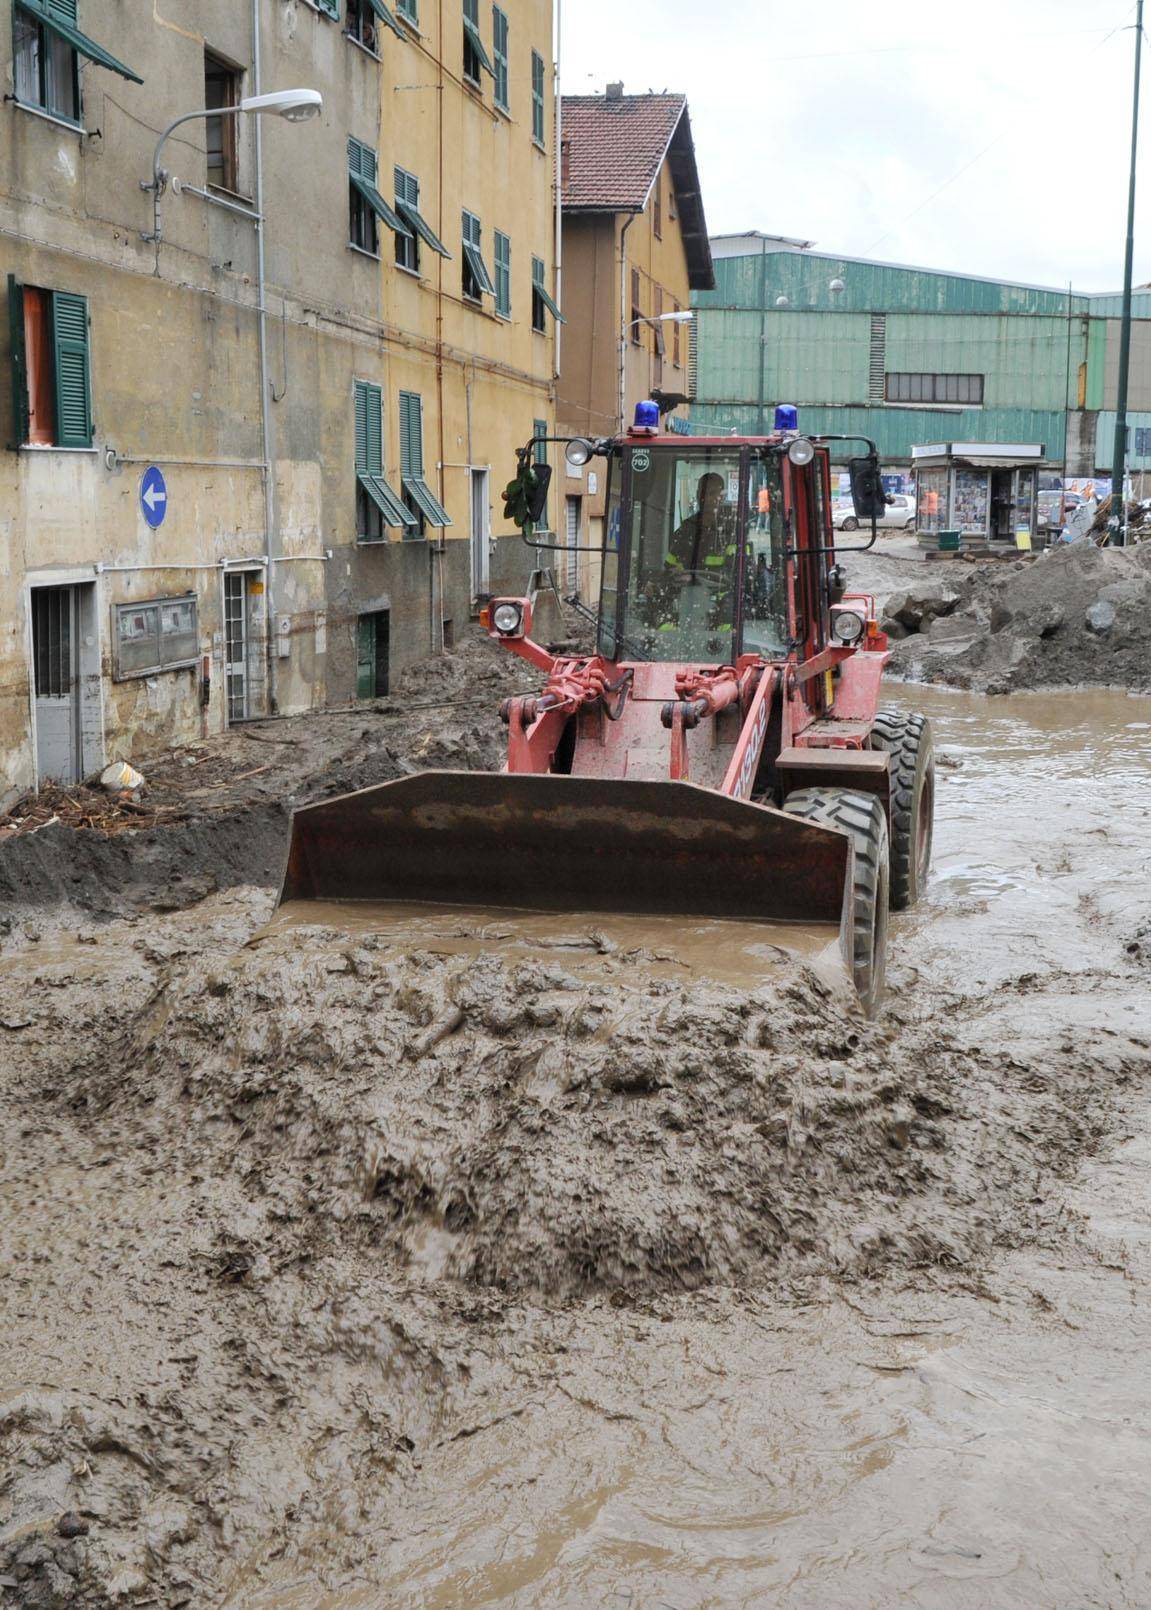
<point x="120" y="778"/>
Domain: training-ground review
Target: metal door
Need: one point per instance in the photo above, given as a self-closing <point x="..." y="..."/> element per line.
<point x="481" y="535"/>
<point x="56" y="661"/>
<point x="236" y="646"/>
<point x="571" y="558"/>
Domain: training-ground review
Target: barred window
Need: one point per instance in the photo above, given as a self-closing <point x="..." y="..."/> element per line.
<point x="928" y="388"/>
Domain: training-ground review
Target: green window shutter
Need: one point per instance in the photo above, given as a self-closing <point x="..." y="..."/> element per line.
<point x="361" y="161"/>
<point x="19" y="361"/>
<point x="537" y="97"/>
<point x="411" y="435"/>
<point x="374" y="461"/>
<point x="385" y="16"/>
<point x="503" y="275"/>
<point x="540" y="430"/>
<point x="332" y="7"/>
<point x="408" y="9"/>
<point x="361" y="427"/>
<point x="73" y="380"/>
<point x="57" y="18"/>
<point x="500" y="55"/>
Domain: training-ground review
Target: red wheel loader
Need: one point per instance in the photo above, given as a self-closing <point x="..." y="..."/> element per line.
<point x="722" y="753"/>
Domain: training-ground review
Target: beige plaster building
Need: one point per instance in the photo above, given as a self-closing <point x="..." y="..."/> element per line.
<point x="635" y="246"/>
<point x="259" y="419"/>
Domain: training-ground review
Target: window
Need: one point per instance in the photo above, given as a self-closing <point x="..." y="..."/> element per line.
<point x="476" y="58"/>
<point x="48" y="45"/>
<point x="366" y="207"/>
<point x="542" y="303"/>
<point x="418" y="495"/>
<point x="159" y="634"/>
<point x="636" y="310"/>
<point x="408" y="207"/>
<point x="675" y="347"/>
<point x="377" y="505"/>
<point x="373" y="633"/>
<point x="221" y="89"/>
<point x="476" y="280"/>
<point x="657" y="207"/>
<point x="363" y="20"/>
<point x="537" y="97"/>
<point x="332" y="7"/>
<point x="922" y="388"/>
<point x="500" y="56"/>
<point x="409" y="10"/>
<point x="504" y="276"/>
<point x="51" y="380"/>
<point x="540" y="431"/>
<point x="659" y="345"/>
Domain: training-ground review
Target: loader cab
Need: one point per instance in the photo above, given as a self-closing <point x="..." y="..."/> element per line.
<point x="695" y="565"/>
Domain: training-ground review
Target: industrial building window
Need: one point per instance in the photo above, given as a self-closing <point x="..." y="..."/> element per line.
<point x="920" y="388"/>
<point x="377" y="505"/>
<point x="221" y="89"/>
<point x="500" y="56"/>
<point x="373" y="633"/>
<point x="51" y="369"/>
<point x="537" y="98"/>
<point x="418" y="495"/>
<point x="48" y="45"/>
<point x="476" y="58"/>
<point x="636" y="310"/>
<point x="408" y="208"/>
<point x="477" y="282"/>
<point x="503" y="276"/>
<point x="540" y="431"/>
<point x="362" y="23"/>
<point x="542" y="303"/>
<point x="158" y="634"/>
<point x="367" y="209"/>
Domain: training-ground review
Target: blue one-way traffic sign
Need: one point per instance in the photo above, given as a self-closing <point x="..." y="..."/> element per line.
<point x="153" y="496"/>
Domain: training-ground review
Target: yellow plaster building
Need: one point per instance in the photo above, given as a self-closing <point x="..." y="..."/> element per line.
<point x="258" y="421"/>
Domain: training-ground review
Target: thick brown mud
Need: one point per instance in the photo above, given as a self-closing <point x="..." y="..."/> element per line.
<point x="449" y="1261"/>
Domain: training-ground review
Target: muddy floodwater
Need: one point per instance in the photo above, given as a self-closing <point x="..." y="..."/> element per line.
<point x="599" y="1262"/>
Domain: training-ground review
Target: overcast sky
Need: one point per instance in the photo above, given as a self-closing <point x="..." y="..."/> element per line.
<point x="836" y="122"/>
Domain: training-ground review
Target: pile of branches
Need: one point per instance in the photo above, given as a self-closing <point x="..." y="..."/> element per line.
<point x="1138" y="522"/>
<point x="79" y="807"/>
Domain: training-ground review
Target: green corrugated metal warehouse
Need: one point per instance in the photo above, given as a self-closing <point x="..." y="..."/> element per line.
<point x="909" y="355"/>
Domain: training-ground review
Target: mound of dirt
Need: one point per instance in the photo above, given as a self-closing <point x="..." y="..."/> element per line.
<point x="1075" y="615"/>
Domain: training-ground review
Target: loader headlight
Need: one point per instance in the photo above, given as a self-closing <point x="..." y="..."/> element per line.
<point x="578" y="451"/>
<point x="507" y="618"/>
<point x="801" y="451"/>
<point x="847" y="625"/>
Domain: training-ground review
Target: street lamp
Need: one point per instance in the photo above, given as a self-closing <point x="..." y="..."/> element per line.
<point x="683" y="316"/>
<point x="294" y="105"/>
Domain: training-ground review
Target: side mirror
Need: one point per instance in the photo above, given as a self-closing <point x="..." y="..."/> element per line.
<point x="538" y="496"/>
<point x="867" y="492"/>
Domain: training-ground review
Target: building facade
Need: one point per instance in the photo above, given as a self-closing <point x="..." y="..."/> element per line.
<point x="635" y="247"/>
<point x="260" y="415"/>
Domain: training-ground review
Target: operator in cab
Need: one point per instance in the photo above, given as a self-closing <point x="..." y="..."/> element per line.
<point x="705" y="540"/>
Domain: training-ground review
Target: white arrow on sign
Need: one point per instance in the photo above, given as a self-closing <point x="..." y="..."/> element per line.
<point x="152" y="495"/>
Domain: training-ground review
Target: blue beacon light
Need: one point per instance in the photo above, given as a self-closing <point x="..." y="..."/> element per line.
<point x="646" y="416"/>
<point x="787" y="417"/>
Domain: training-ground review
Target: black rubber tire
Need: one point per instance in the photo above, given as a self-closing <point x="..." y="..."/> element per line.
<point x="907" y="739"/>
<point x="863" y="818"/>
<point x="850" y="524"/>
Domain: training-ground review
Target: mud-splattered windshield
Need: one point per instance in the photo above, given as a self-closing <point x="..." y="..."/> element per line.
<point x="678" y="546"/>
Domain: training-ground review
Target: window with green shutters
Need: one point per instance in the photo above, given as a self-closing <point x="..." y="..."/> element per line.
<point x="331" y="7"/>
<point x="377" y="505"/>
<point x="408" y="207"/>
<point x="476" y="58"/>
<point x="537" y="98"/>
<point x="419" y="498"/>
<point x="48" y="46"/>
<point x="366" y="206"/>
<point x="52" y="382"/>
<point x="477" y="282"/>
<point x="542" y="301"/>
<point x="503" y="276"/>
<point x="365" y="20"/>
<point x="500" y="57"/>
<point x="409" y="9"/>
<point x="540" y="431"/>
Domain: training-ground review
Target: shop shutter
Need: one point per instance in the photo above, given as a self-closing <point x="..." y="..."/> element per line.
<point x="73" y="383"/>
<point x="19" y="361"/>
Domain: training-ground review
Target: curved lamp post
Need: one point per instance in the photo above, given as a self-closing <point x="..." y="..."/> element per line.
<point x="294" y="105"/>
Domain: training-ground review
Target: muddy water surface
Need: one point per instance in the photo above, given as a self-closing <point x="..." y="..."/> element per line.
<point x="932" y="1440"/>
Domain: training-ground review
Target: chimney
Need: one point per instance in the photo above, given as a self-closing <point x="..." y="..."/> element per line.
<point x="614" y="92"/>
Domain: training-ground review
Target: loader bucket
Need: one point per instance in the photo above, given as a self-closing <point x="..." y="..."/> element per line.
<point x="557" y="843"/>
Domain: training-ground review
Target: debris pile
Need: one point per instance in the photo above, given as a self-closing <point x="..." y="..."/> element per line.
<point x="1075" y="615"/>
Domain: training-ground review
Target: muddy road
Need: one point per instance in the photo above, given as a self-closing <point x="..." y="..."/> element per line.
<point x="545" y="1264"/>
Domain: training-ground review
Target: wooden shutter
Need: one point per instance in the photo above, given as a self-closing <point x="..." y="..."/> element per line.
<point x="73" y="381"/>
<point x="411" y="435"/>
<point x="64" y="9"/>
<point x="18" y="360"/>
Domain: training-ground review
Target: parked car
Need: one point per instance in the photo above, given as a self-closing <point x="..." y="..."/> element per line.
<point x="900" y="515"/>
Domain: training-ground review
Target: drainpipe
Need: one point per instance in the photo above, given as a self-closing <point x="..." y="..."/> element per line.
<point x="558" y="25"/>
<point x="439" y="364"/>
<point x="270" y="534"/>
<point x="623" y="322"/>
